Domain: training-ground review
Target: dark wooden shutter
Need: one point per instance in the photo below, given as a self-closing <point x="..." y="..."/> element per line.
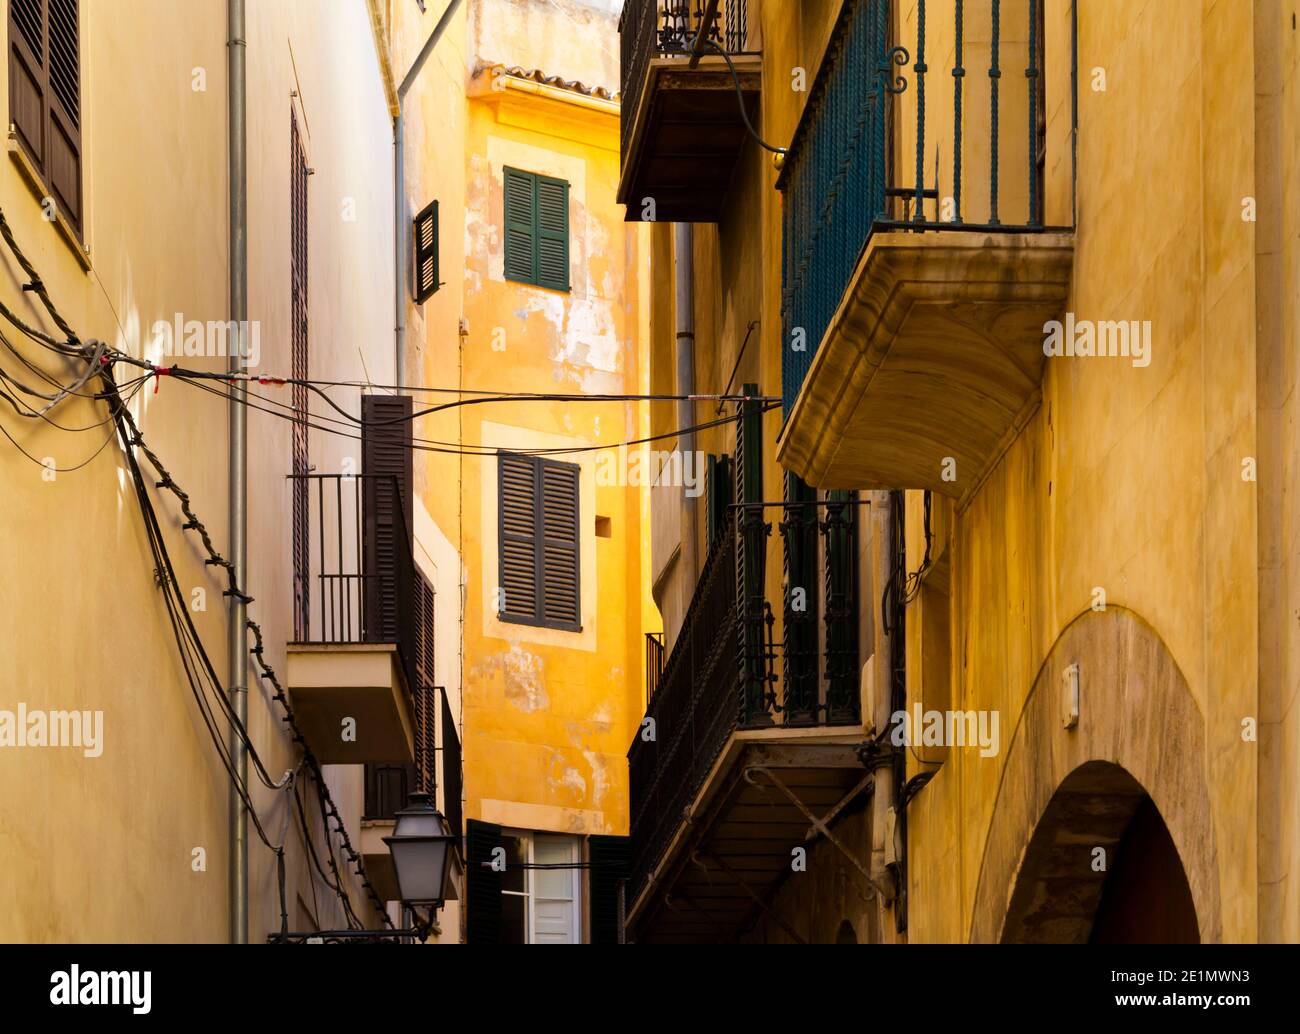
<point x="45" y="95"/>
<point x="426" y="253"/>
<point x="482" y="884"/>
<point x="300" y="369"/>
<point x="751" y="560"/>
<point x="609" y="868"/>
<point x="425" y="694"/>
<point x="520" y="225"/>
<point x="718" y="485"/>
<point x="560" y="567"/>
<point x="552" y="233"/>
<point x="518" y="534"/>
<point x="387" y="517"/>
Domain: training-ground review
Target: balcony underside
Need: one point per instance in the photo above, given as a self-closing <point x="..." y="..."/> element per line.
<point x="723" y="867"/>
<point x="378" y="859"/>
<point x="686" y="138"/>
<point x="936" y="352"/>
<point x="331" y="683"/>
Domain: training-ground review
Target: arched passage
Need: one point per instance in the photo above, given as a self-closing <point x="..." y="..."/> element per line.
<point x="1139" y="734"/>
<point x="1101" y="867"/>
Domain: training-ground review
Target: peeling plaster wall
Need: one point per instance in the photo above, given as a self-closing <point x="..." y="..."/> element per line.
<point x="549" y="714"/>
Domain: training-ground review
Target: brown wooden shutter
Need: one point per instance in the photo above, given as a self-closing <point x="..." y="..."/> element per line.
<point x="387" y="517"/>
<point x="300" y="370"/>
<point x="45" y="95"/>
<point x="518" y="532"/>
<point x="560" y="567"/>
<point x="27" y="78"/>
<point x="520" y="226"/>
<point x="426" y="253"/>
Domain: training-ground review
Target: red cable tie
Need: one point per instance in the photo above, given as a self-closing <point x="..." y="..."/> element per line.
<point x="161" y="371"/>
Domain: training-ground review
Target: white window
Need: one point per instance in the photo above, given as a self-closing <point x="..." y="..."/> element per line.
<point x="540" y="905"/>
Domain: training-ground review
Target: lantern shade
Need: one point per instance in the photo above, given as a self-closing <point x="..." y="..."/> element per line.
<point x="422" y="852"/>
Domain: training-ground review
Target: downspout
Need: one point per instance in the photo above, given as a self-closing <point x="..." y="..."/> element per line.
<point x="882" y="661"/>
<point x="237" y="656"/>
<point x="401" y="217"/>
<point x="684" y="272"/>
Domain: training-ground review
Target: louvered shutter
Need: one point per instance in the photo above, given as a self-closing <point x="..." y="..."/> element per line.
<point x="718" y="484"/>
<point x="520" y="225"/>
<point x="560" y="568"/>
<point x="518" y="533"/>
<point x="482" y="884"/>
<point x="424" y="693"/>
<point x="45" y="95"/>
<point x="387" y="517"/>
<point x="609" y="868"/>
<point x="552" y="233"/>
<point x="426" y="253"/>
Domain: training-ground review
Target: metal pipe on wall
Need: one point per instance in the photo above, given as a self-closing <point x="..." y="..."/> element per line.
<point x="237" y="655"/>
<point x="401" y="216"/>
<point x="684" y="274"/>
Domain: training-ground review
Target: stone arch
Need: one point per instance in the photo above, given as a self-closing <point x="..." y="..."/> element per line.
<point x="1139" y="733"/>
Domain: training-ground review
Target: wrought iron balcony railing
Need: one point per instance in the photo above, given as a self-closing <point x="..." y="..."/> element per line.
<point x="356" y="581"/>
<point x="726" y="671"/>
<point x="668" y="28"/>
<point x="850" y="172"/>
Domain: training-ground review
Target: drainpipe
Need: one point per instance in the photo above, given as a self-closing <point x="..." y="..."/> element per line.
<point x="684" y="271"/>
<point x="882" y="800"/>
<point x="237" y="656"/>
<point x="401" y="217"/>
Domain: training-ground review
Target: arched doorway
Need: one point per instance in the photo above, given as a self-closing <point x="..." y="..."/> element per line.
<point x="846" y="934"/>
<point x="1139" y="734"/>
<point x="1101" y="867"/>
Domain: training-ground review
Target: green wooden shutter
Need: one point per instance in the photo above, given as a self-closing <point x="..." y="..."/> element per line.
<point x="560" y="545"/>
<point x="520" y="225"/>
<point x="426" y="253"/>
<point x="482" y="884"/>
<point x="552" y="233"/>
<point x="518" y="535"/>
<point x="609" y="868"/>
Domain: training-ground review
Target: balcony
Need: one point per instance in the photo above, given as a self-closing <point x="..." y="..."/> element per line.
<point x="360" y="667"/>
<point x="682" y="126"/>
<point x="750" y="735"/>
<point x="919" y="269"/>
<point x="387" y="786"/>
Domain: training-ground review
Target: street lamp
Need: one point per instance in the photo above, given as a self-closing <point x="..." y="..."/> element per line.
<point x="422" y="853"/>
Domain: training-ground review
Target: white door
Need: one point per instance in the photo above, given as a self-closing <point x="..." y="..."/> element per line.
<point x="555" y="891"/>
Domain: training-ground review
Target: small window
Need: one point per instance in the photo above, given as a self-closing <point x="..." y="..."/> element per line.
<point x="427" y="279"/>
<point x="539" y="542"/>
<point x="45" y="96"/>
<point x="536" y="229"/>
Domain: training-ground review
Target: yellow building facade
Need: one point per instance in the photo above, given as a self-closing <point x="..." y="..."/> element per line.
<point x="1083" y="548"/>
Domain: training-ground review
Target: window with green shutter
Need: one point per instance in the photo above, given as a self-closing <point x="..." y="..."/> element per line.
<point x="536" y="229"/>
<point x="539" y="547"/>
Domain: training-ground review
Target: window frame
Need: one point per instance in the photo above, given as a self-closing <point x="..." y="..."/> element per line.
<point x="538" y="618"/>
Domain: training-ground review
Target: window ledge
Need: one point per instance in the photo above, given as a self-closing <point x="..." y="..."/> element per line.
<point x="37" y="185"/>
